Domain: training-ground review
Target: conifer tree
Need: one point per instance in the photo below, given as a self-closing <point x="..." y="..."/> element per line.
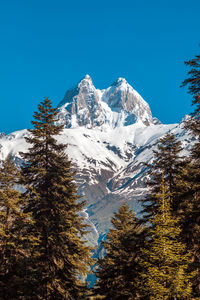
<point x="165" y="262"/>
<point x="119" y="269"/>
<point x="191" y="205"/>
<point x="61" y="257"/>
<point x="13" y="237"/>
<point x="167" y="160"/>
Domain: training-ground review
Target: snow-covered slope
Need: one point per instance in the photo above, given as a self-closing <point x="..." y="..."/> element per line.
<point x="107" y="150"/>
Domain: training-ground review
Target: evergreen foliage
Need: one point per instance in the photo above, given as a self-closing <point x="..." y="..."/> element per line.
<point x="191" y="205"/>
<point x="193" y="83"/>
<point x="119" y="269"/>
<point x="13" y="236"/>
<point x="167" y="160"/>
<point x="61" y="258"/>
<point x="165" y="263"/>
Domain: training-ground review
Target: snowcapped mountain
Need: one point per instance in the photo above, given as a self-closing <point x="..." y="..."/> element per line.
<point x="110" y="133"/>
<point x="117" y="106"/>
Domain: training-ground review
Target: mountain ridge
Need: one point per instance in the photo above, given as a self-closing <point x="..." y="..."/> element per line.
<point x="117" y="105"/>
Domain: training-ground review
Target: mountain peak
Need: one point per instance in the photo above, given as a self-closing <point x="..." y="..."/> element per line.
<point x="120" y="80"/>
<point x="86" y="83"/>
<point x="87" y="77"/>
<point x="117" y="106"/>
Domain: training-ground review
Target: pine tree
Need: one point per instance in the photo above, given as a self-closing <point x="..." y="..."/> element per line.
<point x="167" y="160"/>
<point x="13" y="237"/>
<point x="191" y="204"/>
<point x="165" y="262"/>
<point x="193" y="83"/>
<point x="119" y="269"/>
<point x="61" y="258"/>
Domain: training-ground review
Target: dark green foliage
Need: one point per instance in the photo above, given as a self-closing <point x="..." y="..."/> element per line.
<point x="191" y="204"/>
<point x="119" y="269"/>
<point x="165" y="261"/>
<point x="13" y="236"/>
<point x="168" y="161"/>
<point x="61" y="256"/>
<point x="193" y="83"/>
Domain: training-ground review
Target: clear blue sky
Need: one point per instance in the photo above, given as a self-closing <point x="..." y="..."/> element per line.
<point x="47" y="46"/>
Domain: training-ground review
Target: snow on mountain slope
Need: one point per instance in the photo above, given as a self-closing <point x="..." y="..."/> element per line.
<point x="118" y="105"/>
<point x="110" y="133"/>
<point x="109" y="164"/>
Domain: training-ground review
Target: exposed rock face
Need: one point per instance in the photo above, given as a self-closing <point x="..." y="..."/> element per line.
<point x="118" y="105"/>
<point x="2" y="134"/>
<point x="121" y="97"/>
<point x="82" y="106"/>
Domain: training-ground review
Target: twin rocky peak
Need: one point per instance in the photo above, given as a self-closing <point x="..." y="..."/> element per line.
<point x="118" y="105"/>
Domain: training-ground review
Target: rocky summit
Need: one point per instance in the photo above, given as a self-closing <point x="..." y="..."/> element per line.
<point x="110" y="134"/>
<point x="118" y="105"/>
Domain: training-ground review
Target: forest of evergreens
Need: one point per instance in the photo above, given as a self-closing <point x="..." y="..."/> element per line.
<point x="43" y="253"/>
